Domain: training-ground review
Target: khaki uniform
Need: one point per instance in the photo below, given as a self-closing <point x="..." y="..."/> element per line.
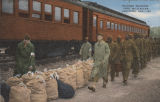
<point x="101" y="55"/>
<point x="86" y="51"/>
<point x="136" y="60"/>
<point x="129" y="49"/>
<point x="112" y="58"/>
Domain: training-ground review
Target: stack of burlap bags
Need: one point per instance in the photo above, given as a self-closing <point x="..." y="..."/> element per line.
<point x="42" y="86"/>
<point x="33" y="88"/>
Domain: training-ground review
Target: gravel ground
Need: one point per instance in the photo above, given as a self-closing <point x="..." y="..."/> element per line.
<point x="145" y="88"/>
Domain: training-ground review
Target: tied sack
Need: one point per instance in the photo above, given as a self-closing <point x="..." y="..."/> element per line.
<point x="80" y="78"/>
<point x="68" y="76"/>
<point x="14" y="81"/>
<point x="28" y="77"/>
<point x="51" y="88"/>
<point x="79" y="74"/>
<point x="38" y="89"/>
<point x="87" y="68"/>
<point x="19" y="93"/>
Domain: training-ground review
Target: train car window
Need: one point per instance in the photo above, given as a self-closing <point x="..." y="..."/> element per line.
<point x="66" y="13"/>
<point x="66" y="16"/>
<point x="119" y="27"/>
<point x="130" y="29"/>
<point x="135" y="29"/>
<point x="48" y="12"/>
<point x="112" y="26"/>
<point x="57" y="14"/>
<point x="108" y="25"/>
<point x="115" y="26"/>
<point x="7" y="6"/>
<point x="48" y="8"/>
<point x="101" y="24"/>
<point x="125" y="29"/>
<point x="122" y="27"/>
<point x="94" y="21"/>
<point x="23" y="5"/>
<point x="36" y="6"/>
<point x="75" y="17"/>
<point x="36" y="15"/>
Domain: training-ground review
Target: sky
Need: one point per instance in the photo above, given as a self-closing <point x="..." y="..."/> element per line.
<point x="152" y="17"/>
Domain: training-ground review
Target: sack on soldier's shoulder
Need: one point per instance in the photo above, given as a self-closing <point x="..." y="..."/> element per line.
<point x="19" y="93"/>
<point x="65" y="91"/>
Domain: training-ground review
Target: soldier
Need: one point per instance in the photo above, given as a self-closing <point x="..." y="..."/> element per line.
<point x="117" y="59"/>
<point x="135" y="63"/>
<point x="128" y="50"/>
<point x="86" y="50"/>
<point x="100" y="67"/>
<point x="112" y="57"/>
<point x="25" y="57"/>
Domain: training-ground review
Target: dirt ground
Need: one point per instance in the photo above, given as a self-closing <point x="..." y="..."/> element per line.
<point x="145" y="88"/>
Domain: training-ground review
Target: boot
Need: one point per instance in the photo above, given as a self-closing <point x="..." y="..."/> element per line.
<point x="125" y="83"/>
<point x="92" y="86"/>
<point x="104" y="84"/>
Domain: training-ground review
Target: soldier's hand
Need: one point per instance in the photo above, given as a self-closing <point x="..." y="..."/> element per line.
<point x="30" y="68"/>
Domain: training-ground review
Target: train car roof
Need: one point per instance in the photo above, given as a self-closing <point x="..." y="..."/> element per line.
<point x="102" y="9"/>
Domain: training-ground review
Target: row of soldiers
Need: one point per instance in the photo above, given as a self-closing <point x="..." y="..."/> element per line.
<point x="111" y="57"/>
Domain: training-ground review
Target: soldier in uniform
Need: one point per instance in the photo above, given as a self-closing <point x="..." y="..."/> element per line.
<point x="25" y="57"/>
<point x="117" y="59"/>
<point x="112" y="57"/>
<point x="128" y="50"/>
<point x="136" y="62"/>
<point x="86" y="50"/>
<point x="101" y="55"/>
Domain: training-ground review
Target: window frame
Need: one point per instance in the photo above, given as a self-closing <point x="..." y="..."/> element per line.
<point x="95" y="22"/>
<point x="108" y="23"/>
<point x="101" y="24"/>
<point x="74" y="19"/>
<point x="48" y="13"/>
<point x="58" y="21"/>
<point x="37" y="12"/>
<point x="6" y="13"/>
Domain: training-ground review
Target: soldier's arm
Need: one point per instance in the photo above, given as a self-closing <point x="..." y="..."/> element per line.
<point x="115" y="48"/>
<point x="90" y="50"/>
<point x="80" y="52"/>
<point x="135" y="50"/>
<point x="107" y="52"/>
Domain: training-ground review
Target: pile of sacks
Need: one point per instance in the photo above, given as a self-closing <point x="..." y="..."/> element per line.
<point x="42" y="86"/>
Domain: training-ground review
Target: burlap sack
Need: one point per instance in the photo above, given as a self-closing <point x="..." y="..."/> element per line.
<point x="68" y="76"/>
<point x="87" y="68"/>
<point x="38" y="89"/>
<point x="14" y="81"/>
<point x="80" y="82"/>
<point x="28" y="77"/>
<point x="40" y="74"/>
<point x="1" y="99"/>
<point x="19" y="94"/>
<point x="51" y="88"/>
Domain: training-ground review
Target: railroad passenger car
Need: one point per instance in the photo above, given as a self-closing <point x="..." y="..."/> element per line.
<point x="57" y="26"/>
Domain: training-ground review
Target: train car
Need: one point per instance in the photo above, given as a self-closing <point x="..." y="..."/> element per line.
<point x="57" y="27"/>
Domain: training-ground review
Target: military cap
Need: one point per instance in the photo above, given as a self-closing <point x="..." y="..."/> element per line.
<point x="27" y="37"/>
<point x="100" y="34"/>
